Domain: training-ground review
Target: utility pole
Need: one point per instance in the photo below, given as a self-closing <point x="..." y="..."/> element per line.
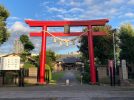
<point x="114" y="50"/>
<point x="114" y="47"/>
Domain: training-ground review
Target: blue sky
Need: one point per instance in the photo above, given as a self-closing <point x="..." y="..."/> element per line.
<point x="118" y="12"/>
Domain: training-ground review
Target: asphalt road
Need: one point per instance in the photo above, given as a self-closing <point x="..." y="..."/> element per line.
<point x="87" y="92"/>
<point x="74" y="91"/>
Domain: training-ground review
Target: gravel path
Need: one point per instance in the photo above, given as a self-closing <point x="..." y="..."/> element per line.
<point x="71" y="76"/>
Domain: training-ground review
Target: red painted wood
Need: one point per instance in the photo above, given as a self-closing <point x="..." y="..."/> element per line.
<point x="39" y="34"/>
<point x="43" y="57"/>
<point x="91" y="57"/>
<point x="35" y="23"/>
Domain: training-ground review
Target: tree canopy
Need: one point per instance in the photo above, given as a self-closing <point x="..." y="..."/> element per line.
<point x="126" y="35"/>
<point x="103" y="46"/>
<point x="28" y="45"/>
<point x="24" y="39"/>
<point x="51" y="58"/>
<point x="4" y="14"/>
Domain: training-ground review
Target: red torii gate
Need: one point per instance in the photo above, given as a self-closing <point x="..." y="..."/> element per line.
<point x="44" y="24"/>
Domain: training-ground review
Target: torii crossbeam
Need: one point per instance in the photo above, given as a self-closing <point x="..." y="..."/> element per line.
<point x="88" y="23"/>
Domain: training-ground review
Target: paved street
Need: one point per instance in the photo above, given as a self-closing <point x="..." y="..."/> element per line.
<point x="86" y="92"/>
<point x="71" y="76"/>
<point x="74" y="91"/>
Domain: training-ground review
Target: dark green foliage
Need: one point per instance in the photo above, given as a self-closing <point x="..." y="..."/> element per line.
<point x="24" y="56"/>
<point x="35" y="60"/>
<point x="103" y="49"/>
<point x="84" y="47"/>
<point x="28" y="45"/>
<point x="24" y="39"/>
<point x="4" y="14"/>
<point x="51" y="58"/>
<point x="103" y="45"/>
<point x="127" y="43"/>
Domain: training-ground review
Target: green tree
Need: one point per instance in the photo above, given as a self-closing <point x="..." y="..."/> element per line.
<point x="24" y="39"/>
<point x="28" y="45"/>
<point x="4" y="14"/>
<point x="51" y="58"/>
<point x="103" y="45"/>
<point x="126" y="45"/>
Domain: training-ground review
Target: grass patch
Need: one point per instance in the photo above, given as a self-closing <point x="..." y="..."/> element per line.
<point x="57" y="75"/>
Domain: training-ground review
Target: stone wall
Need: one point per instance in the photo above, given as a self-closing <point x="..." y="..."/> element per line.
<point x="102" y="74"/>
<point x="32" y="77"/>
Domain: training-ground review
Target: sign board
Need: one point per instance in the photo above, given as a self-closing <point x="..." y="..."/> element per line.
<point x="124" y="70"/>
<point x="10" y="62"/>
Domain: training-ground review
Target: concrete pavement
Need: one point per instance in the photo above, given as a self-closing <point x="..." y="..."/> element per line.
<point x="74" y="91"/>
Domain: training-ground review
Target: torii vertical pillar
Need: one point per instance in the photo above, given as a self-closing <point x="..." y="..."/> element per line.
<point x="43" y="57"/>
<point x="91" y="56"/>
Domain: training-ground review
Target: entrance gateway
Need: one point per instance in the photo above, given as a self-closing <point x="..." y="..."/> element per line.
<point x="90" y="33"/>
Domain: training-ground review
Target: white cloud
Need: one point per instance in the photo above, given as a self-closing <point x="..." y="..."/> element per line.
<point x="54" y="9"/>
<point x="60" y="16"/>
<point x="70" y="18"/>
<point x="113" y="10"/>
<point x="73" y="3"/>
<point x="88" y="1"/>
<point x="76" y="10"/>
<point x="117" y="1"/>
<point x="28" y="19"/>
<point x="113" y="2"/>
<point x="65" y="11"/>
<point x="129" y="14"/>
<point x="13" y="18"/>
<point x="19" y="27"/>
<point x="131" y="2"/>
<point x="62" y="1"/>
<point x="90" y="9"/>
<point x="44" y="3"/>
